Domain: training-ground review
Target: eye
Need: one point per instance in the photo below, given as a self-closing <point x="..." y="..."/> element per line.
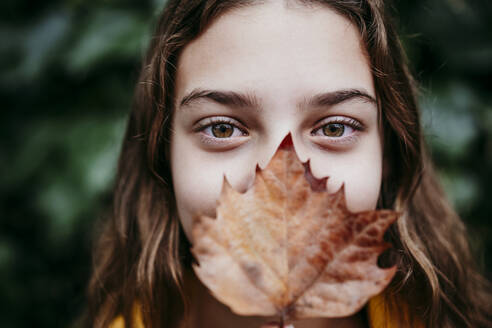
<point x="333" y="129"/>
<point x="336" y="127"/>
<point x="221" y="128"/>
<point x="338" y="130"/>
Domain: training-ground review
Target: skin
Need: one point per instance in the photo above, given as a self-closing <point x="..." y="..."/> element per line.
<point x="282" y="55"/>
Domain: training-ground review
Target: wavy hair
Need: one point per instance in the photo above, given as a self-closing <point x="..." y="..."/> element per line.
<point x="142" y="251"/>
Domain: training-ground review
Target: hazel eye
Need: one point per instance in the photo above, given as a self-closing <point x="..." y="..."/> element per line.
<point x="338" y="132"/>
<point x="333" y="129"/>
<point x="222" y="130"/>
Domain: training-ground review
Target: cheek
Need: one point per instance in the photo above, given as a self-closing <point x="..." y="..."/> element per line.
<point x="362" y="187"/>
<point x="360" y="172"/>
<point x="196" y="188"/>
<point x="198" y="177"/>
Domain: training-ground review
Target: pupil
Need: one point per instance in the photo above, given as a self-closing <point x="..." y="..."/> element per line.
<point x="222" y="130"/>
<point x="334" y="130"/>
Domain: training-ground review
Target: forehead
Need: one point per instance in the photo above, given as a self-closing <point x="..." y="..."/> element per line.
<point x="276" y="49"/>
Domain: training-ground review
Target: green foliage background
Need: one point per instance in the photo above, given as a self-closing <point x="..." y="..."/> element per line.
<point x="67" y="71"/>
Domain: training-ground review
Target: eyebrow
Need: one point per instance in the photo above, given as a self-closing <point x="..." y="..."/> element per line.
<point x="227" y="98"/>
<point x="336" y="97"/>
<point x="249" y="100"/>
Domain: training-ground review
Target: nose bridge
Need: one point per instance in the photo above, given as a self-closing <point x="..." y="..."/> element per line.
<point x="242" y="176"/>
<point x="266" y="150"/>
<point x="281" y="118"/>
<point x="278" y="128"/>
<point x="278" y="123"/>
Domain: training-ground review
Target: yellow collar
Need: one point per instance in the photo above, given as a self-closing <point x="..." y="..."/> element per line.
<point x="378" y="315"/>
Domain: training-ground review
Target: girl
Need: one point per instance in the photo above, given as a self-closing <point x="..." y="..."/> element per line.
<point x="222" y="84"/>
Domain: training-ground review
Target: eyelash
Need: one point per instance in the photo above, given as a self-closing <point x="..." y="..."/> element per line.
<point x="350" y="122"/>
<point x="207" y="139"/>
<point x="347" y="122"/>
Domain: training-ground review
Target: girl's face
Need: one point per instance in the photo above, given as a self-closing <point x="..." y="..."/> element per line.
<point x="258" y="73"/>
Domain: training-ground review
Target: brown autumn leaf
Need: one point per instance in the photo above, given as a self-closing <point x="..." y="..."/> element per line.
<point x="287" y="247"/>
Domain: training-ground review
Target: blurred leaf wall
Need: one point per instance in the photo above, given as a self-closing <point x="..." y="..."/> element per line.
<point x="67" y="71"/>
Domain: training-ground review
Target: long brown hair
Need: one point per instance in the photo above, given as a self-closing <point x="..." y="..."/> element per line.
<point x="142" y="251"/>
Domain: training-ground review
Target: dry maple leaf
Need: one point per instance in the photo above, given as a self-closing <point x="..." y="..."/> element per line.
<point x="287" y="247"/>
